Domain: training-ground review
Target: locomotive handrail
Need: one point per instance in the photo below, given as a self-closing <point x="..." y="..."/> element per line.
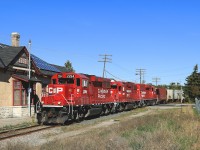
<point x="67" y="102"/>
<point x="72" y="105"/>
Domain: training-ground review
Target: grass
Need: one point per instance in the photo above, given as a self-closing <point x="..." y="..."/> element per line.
<point x="77" y="126"/>
<point x="167" y="130"/>
<point x="171" y="129"/>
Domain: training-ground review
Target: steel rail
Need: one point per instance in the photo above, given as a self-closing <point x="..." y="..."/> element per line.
<point x="22" y="131"/>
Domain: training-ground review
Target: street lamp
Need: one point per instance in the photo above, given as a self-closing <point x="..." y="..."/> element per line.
<point x="29" y="77"/>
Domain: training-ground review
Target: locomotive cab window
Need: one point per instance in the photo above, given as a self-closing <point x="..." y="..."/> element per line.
<point x="84" y="83"/>
<point x="147" y="89"/>
<point x="123" y="89"/>
<point x="61" y="81"/>
<point x="106" y="84"/>
<point x="97" y="84"/>
<point x="78" y="82"/>
<point x="128" y="87"/>
<point x="114" y="86"/>
<point x="119" y="88"/>
<point x="54" y="81"/>
<point x="66" y="81"/>
<point x="134" y="87"/>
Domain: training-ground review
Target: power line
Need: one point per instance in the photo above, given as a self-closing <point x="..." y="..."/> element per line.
<point x="105" y="59"/>
<point x="114" y="76"/>
<point x="141" y="73"/>
<point x="156" y="79"/>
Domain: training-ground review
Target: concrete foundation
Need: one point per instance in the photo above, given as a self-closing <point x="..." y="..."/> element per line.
<point x="15" y="111"/>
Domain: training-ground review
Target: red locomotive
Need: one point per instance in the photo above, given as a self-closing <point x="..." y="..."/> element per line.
<point x="150" y="95"/>
<point x="73" y="96"/>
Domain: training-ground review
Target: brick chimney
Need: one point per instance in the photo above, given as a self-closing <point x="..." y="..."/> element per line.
<point x="15" y="39"/>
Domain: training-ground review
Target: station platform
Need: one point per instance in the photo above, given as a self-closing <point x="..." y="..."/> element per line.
<point x="16" y="121"/>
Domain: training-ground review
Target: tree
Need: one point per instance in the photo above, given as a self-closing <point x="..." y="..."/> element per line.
<point x="192" y="87"/>
<point x="174" y="86"/>
<point x="69" y="67"/>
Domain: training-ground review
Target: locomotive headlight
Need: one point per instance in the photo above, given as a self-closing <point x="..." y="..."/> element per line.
<point x="59" y="103"/>
<point x="42" y="102"/>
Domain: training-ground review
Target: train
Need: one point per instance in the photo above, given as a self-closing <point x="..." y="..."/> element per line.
<point x="75" y="96"/>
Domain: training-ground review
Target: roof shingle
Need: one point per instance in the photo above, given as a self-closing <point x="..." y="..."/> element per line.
<point x="7" y="54"/>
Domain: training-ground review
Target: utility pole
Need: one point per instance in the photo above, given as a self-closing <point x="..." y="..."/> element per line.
<point x="140" y="72"/>
<point x="156" y="79"/>
<point x="105" y="59"/>
<point x="29" y="77"/>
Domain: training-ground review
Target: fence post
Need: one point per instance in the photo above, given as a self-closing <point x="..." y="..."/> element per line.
<point x="197" y="104"/>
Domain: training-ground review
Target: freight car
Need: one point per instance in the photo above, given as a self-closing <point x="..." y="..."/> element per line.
<point x="74" y="96"/>
<point x="161" y="95"/>
<point x="174" y="95"/>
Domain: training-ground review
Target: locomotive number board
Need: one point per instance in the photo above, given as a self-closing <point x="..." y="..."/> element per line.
<point x="70" y="76"/>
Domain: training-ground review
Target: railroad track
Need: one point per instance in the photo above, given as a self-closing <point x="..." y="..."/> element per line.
<point x="22" y="131"/>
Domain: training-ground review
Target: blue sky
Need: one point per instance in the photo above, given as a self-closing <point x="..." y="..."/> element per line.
<point x="161" y="36"/>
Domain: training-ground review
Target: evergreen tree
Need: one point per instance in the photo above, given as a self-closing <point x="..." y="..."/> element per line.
<point x="69" y="67"/>
<point x="192" y="87"/>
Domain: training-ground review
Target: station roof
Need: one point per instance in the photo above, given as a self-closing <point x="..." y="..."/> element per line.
<point x="9" y="53"/>
<point x="25" y="78"/>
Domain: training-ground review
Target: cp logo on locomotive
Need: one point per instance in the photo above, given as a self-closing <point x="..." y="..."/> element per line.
<point x="55" y="90"/>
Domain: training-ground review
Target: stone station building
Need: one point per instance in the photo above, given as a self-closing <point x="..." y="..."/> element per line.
<point x="14" y="78"/>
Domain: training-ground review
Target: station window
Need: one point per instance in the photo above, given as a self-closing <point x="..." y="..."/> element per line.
<point x="19" y="94"/>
